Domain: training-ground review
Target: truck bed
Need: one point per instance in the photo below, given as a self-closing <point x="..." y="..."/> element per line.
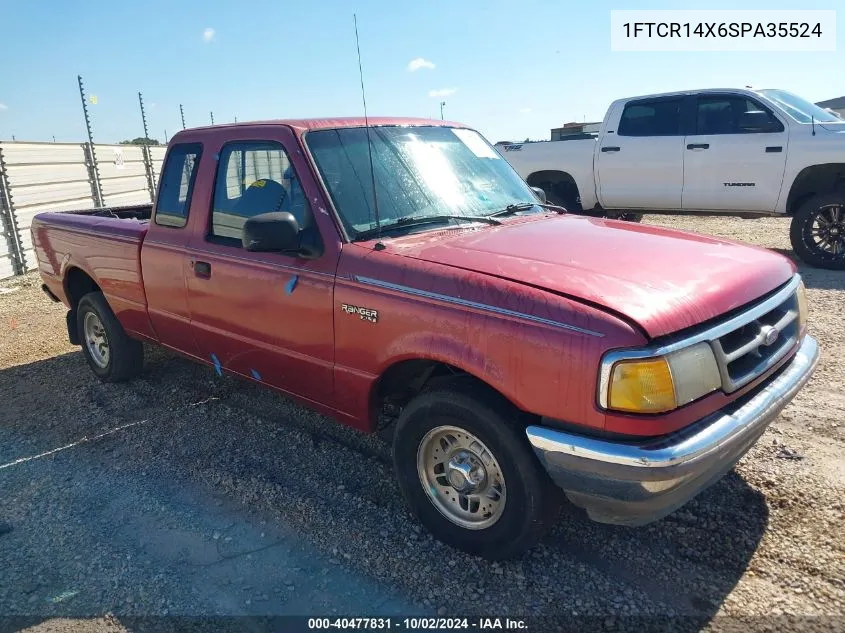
<point x="130" y="212"/>
<point x="536" y="161"/>
<point x="104" y="245"/>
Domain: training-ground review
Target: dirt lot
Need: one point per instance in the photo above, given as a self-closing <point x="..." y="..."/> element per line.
<point x="185" y="494"/>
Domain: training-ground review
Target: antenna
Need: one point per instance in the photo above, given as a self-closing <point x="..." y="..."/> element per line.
<point x="367" y="127"/>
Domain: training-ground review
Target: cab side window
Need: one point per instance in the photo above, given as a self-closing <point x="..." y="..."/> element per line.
<point x="655" y="117"/>
<point x="177" y="185"/>
<point x="254" y="178"/>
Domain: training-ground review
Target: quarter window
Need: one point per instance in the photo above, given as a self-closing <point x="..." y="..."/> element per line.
<point x="177" y="185"/>
<point x="659" y="117"/>
<point x="252" y="179"/>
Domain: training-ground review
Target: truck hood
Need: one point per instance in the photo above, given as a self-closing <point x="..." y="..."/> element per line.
<point x="662" y="279"/>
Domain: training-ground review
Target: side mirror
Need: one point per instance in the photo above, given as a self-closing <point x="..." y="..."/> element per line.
<point x="271" y="232"/>
<point x="540" y="193"/>
<point x="757" y="121"/>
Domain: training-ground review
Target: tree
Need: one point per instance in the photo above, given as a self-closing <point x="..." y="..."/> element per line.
<point x="141" y="141"/>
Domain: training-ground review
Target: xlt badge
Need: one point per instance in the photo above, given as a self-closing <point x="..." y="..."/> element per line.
<point x="366" y="314"/>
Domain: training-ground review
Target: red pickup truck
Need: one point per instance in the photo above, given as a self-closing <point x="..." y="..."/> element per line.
<point x="402" y="273"/>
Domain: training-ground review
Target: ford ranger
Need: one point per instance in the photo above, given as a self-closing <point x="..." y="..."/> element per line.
<point x="745" y="152"/>
<point x="400" y="274"/>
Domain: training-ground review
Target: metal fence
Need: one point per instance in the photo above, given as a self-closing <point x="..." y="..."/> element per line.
<point x="36" y="177"/>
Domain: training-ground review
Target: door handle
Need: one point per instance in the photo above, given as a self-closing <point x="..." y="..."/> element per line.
<point x="774" y="149"/>
<point x="201" y="269"/>
<point x="611" y="148"/>
<point x="698" y="146"/>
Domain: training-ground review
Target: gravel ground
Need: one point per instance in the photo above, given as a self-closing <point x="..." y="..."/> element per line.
<point x="181" y="493"/>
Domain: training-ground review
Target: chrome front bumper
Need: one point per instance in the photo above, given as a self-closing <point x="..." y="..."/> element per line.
<point x="637" y="483"/>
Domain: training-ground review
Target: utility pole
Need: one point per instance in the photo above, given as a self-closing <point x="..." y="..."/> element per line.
<point x="143" y="116"/>
<point x="54" y="138"/>
<point x="145" y="148"/>
<point x="85" y="110"/>
<point x="212" y="117"/>
<point x="442" y="103"/>
<point x="165" y="137"/>
<point x="182" y="113"/>
<point x="92" y="158"/>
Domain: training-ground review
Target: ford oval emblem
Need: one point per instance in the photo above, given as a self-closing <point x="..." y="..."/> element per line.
<point x="770" y="335"/>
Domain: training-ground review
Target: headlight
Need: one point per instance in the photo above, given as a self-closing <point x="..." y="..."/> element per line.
<point x="662" y="383"/>
<point x="801" y="293"/>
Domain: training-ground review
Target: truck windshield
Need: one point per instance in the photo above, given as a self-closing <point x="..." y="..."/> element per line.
<point x="799" y="109"/>
<point x="419" y="172"/>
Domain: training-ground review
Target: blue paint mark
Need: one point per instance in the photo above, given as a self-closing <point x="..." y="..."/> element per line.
<point x="291" y="284"/>
<point x="217" y="366"/>
<point x="255" y="374"/>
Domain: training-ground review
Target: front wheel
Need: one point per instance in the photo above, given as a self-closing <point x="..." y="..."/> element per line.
<point x="466" y="469"/>
<point x="817" y="231"/>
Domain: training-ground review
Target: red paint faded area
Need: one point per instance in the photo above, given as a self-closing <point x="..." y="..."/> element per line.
<point x="543" y="368"/>
<point x="663" y="280"/>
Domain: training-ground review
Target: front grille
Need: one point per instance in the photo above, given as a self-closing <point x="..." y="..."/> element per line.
<point x="752" y="348"/>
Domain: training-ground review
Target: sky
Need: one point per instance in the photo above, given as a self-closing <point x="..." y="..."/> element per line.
<point x="511" y="69"/>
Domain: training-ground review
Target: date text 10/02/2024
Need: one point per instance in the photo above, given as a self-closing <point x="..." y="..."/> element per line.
<point x="418" y="624"/>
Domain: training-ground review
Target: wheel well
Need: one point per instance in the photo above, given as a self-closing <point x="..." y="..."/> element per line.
<point x="814" y="180"/>
<point x="402" y="381"/>
<point x="405" y="379"/>
<point x="556" y="183"/>
<point x="78" y="284"/>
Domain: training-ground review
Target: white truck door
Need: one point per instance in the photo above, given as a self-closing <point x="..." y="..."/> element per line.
<point x="735" y="159"/>
<point x="640" y="165"/>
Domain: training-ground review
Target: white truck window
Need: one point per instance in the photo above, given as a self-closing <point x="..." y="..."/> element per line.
<point x="722" y="114"/>
<point x="657" y="117"/>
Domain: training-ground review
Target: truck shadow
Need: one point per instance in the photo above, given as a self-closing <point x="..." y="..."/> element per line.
<point x="687" y="563"/>
<point x="335" y="487"/>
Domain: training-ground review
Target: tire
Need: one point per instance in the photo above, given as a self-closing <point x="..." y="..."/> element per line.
<point x="561" y="195"/>
<point x="111" y="354"/>
<point x="626" y="217"/>
<point x="816" y="243"/>
<point x="523" y="501"/>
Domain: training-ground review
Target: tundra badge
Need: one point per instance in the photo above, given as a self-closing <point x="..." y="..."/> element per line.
<point x="366" y="314"/>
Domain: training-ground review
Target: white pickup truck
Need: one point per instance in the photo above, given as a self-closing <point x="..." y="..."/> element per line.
<point x="748" y="153"/>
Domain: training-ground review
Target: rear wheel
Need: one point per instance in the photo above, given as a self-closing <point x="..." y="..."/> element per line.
<point x="562" y="194"/>
<point x="817" y="231"/>
<point x="466" y="469"/>
<point x="625" y="217"/>
<point x="111" y="354"/>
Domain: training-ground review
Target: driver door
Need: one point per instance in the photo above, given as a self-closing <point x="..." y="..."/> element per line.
<point x="265" y="316"/>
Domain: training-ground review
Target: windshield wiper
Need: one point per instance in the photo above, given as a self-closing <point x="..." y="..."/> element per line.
<point x="511" y="209"/>
<point x="524" y="206"/>
<point x="412" y="221"/>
